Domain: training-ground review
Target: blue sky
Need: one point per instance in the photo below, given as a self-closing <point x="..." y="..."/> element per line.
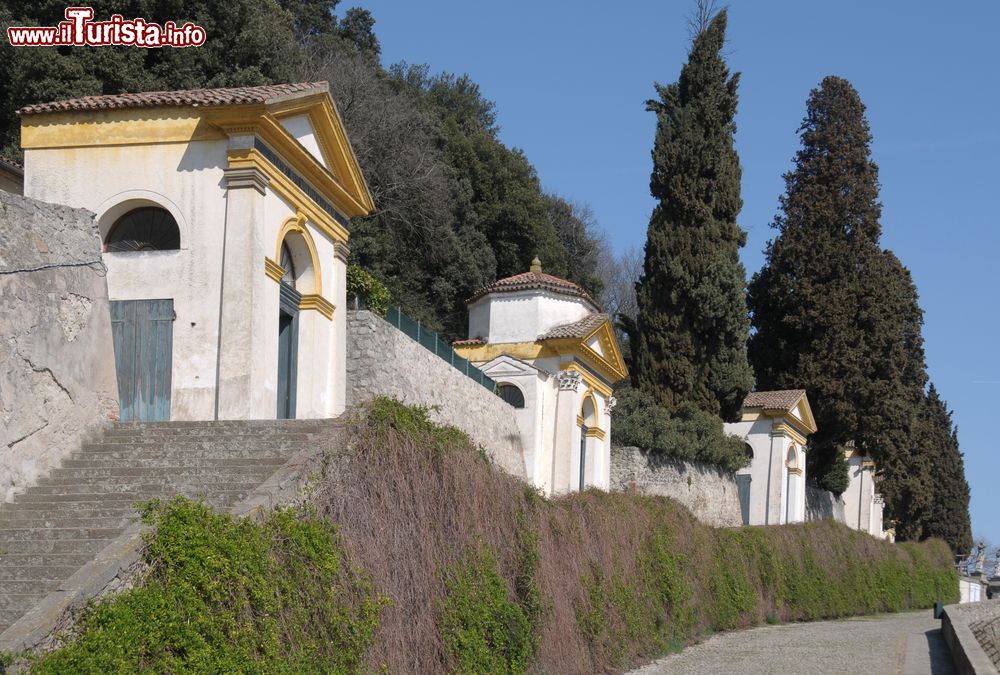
<point x="570" y="80"/>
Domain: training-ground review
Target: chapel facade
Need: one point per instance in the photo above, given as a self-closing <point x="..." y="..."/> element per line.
<point x="223" y="214"/>
<point x="555" y="358"/>
<point x="775" y="426"/>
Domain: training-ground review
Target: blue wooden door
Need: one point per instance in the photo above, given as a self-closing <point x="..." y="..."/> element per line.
<point x="743" y="481"/>
<point x="143" y="332"/>
<point x="288" y="349"/>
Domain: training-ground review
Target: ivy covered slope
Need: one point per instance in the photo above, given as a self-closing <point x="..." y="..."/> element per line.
<point x="416" y="555"/>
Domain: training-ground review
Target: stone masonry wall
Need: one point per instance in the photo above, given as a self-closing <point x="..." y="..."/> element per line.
<point x="57" y="383"/>
<point x="823" y="505"/>
<point x="383" y="361"/>
<point x="709" y="492"/>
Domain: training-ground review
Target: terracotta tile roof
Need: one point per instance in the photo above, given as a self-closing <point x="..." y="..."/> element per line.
<point x="181" y="98"/>
<point x="527" y="281"/>
<point x="11" y="165"/>
<point x="784" y="399"/>
<point x="577" y="329"/>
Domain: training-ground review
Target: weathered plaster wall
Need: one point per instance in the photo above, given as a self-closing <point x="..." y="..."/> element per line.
<point x="58" y="382"/>
<point x="709" y="492"/>
<point x="823" y="505"/>
<point x="382" y="361"/>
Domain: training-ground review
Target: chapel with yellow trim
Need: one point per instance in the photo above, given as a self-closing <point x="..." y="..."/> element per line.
<point x="555" y="358"/>
<point x="224" y="217"/>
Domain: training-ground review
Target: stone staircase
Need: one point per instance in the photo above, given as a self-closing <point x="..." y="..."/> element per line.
<point x="55" y="527"/>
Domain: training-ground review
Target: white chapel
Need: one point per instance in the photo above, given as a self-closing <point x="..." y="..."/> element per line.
<point x="224" y="215"/>
<point x="555" y="358"/>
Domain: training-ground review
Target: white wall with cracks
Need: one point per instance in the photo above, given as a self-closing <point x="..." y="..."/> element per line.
<point x="57" y="380"/>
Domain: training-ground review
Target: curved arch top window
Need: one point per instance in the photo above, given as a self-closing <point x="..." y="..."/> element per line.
<point x="748" y="450"/>
<point x="512" y="395"/>
<point x="288" y="265"/>
<point x="148" y="228"/>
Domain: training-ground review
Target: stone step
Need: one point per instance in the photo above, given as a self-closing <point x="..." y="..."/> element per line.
<point x="115" y="511"/>
<point x="14" y="534"/>
<point x="68" y="519"/>
<point x="144" y="462"/>
<point x="20" y="602"/>
<point x="10" y="573"/>
<point x="169" y="486"/>
<point x="178" y="474"/>
<point x="27" y="587"/>
<point x="74" y="560"/>
<point x="226" y="494"/>
<point x="277" y="425"/>
<point x="56" y="546"/>
<point x="116" y="452"/>
<point x="182" y="440"/>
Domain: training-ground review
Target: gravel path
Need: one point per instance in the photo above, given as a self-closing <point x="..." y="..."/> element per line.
<point x="907" y="644"/>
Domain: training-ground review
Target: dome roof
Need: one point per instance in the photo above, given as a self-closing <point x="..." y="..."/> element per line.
<point x="535" y="279"/>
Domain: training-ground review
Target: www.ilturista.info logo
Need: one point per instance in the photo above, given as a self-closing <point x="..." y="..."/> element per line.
<point x="78" y="30"/>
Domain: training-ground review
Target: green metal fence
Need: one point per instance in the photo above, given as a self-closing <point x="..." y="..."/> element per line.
<point x="433" y="342"/>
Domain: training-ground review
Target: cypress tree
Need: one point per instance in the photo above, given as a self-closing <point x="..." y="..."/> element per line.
<point x="948" y="515"/>
<point x="833" y="312"/>
<point x="692" y="323"/>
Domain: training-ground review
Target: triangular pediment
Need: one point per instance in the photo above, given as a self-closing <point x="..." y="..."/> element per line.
<point x="508" y="366"/>
<point x="801" y="414"/>
<point x="597" y="348"/>
<point x="594" y="342"/>
<point x="301" y="127"/>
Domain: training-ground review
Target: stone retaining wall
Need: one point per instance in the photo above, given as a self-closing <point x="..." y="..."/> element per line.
<point x="823" y="505"/>
<point x="960" y="624"/>
<point x="383" y="361"/>
<point x="708" y="491"/>
<point x="58" y="381"/>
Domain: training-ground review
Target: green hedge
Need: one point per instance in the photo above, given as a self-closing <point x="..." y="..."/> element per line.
<point x="222" y="596"/>
<point x="687" y="433"/>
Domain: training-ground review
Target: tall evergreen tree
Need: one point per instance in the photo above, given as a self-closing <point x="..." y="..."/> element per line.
<point x="692" y="323"/>
<point x="948" y="515"/>
<point x="837" y="315"/>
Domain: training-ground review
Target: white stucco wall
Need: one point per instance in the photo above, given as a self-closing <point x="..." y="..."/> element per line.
<point x="523" y="316"/>
<point x="187" y="179"/>
<point x="769" y="475"/>
<point x="859" y="497"/>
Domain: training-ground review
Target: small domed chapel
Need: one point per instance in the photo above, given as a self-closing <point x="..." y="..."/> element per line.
<point x="555" y="358"/>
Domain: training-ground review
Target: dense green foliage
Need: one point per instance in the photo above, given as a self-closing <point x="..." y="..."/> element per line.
<point x="457" y="209"/>
<point x="839" y="316"/>
<point x="479" y="573"/>
<point x="686" y="433"/>
<point x="692" y="323"/>
<point x="948" y="515"/>
<point x="483" y="630"/>
<point x="276" y="595"/>
<point x="834" y="313"/>
<point x="367" y="289"/>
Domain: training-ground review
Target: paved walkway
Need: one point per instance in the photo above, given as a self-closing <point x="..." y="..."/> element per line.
<point x="905" y="644"/>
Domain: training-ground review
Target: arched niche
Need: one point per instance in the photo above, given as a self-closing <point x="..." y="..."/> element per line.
<point x="296" y="243"/>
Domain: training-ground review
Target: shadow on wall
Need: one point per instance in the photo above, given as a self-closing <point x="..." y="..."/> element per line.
<point x="58" y="384"/>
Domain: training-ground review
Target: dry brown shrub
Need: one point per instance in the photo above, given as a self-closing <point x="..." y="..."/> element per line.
<point x="411" y="503"/>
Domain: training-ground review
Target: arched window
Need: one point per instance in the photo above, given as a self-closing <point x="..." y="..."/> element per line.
<point x="148" y="228"/>
<point x="288" y="265"/>
<point x="511" y="394"/>
<point x="748" y="450"/>
<point x="793" y="460"/>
